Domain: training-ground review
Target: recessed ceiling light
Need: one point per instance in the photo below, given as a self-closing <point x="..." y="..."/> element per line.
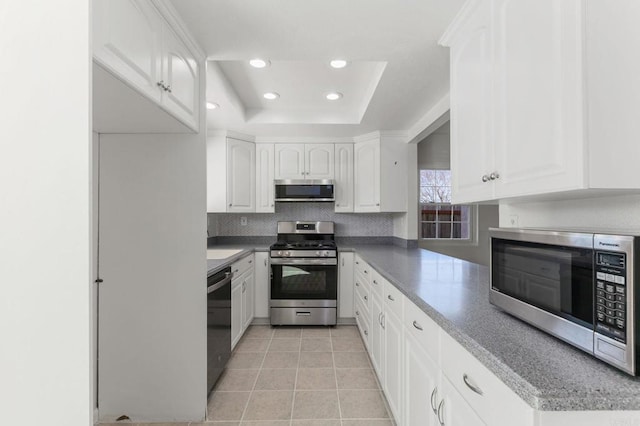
<point x="271" y="95"/>
<point x="212" y="105"/>
<point x="334" y="96"/>
<point x="338" y="63"/>
<point x="259" y="63"/>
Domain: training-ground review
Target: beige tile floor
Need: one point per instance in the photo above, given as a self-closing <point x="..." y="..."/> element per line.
<point x="293" y="376"/>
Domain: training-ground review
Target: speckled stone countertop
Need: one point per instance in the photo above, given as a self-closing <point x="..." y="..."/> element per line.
<point x="545" y="372"/>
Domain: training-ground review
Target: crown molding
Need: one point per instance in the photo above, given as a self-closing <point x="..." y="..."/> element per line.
<point x="453" y="29"/>
<point x="212" y="133"/>
<point x="171" y="15"/>
<point x="434" y="118"/>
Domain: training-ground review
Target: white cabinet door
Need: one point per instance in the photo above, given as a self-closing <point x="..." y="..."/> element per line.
<point x="453" y="410"/>
<point x="127" y="40"/>
<point x="261" y="280"/>
<point x="471" y="142"/>
<point x="240" y="176"/>
<point x="376" y="350"/>
<point x="180" y="76"/>
<point x="367" y="176"/>
<point x="247" y="299"/>
<point x="319" y="161"/>
<point x="393" y="361"/>
<point x="538" y="82"/>
<point x="236" y="311"/>
<point x="345" y="285"/>
<point x="265" y="174"/>
<point x="343" y="188"/>
<point x="289" y="161"/>
<point x="420" y="384"/>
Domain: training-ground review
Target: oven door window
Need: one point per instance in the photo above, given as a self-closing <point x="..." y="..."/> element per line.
<point x="556" y="279"/>
<point x="304" y="282"/>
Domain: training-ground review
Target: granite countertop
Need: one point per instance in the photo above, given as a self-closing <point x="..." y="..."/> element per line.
<point x="545" y="372"/>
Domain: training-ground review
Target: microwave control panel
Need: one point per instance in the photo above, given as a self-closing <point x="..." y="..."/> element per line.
<point x="611" y="295"/>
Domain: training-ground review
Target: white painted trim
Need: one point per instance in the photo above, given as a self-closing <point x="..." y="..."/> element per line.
<point x="367" y="137"/>
<point x="171" y="15"/>
<point x="230" y="134"/>
<point x="429" y="122"/>
<point x="452" y="30"/>
<point x="305" y="139"/>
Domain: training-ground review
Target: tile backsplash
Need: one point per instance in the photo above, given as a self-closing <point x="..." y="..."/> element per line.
<point x="264" y="224"/>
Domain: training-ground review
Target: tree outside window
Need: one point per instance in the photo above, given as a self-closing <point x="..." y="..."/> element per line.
<point x="439" y="219"/>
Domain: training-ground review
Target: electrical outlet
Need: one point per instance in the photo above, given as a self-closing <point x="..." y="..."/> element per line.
<point x="513" y="220"/>
<point x="243" y="221"/>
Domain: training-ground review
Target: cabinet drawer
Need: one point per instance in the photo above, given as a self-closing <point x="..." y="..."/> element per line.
<point x="423" y="328"/>
<point x="362" y="292"/>
<point x="362" y="319"/>
<point x="393" y="299"/>
<point x="243" y="265"/>
<point x="364" y="268"/>
<point x="480" y="388"/>
<point x="377" y="283"/>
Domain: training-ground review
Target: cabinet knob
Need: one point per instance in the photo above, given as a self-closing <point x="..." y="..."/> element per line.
<point x="494" y="176"/>
<point x="485" y="178"/>
<point x="366" y="298"/>
<point x="230" y="205"/>
<point x="337" y="204"/>
<point x="358" y="313"/>
<point x="391" y="298"/>
<point x="366" y="333"/>
<point x="378" y="204"/>
<point x="271" y="205"/>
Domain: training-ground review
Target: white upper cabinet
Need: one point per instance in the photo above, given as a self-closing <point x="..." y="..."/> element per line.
<point x="343" y="189"/>
<point x="231" y="175"/>
<point x="522" y="98"/>
<point x="127" y="35"/>
<point x="304" y="161"/>
<point x="241" y="177"/>
<point x="265" y="174"/>
<point x="471" y="144"/>
<point x="133" y="41"/>
<point x="380" y="184"/>
<point x="289" y="161"/>
<point x="180" y="77"/>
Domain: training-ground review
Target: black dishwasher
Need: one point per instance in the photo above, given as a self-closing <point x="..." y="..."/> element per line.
<point x="218" y="324"/>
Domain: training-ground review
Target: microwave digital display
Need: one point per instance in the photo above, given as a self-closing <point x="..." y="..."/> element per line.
<point x="610" y="259"/>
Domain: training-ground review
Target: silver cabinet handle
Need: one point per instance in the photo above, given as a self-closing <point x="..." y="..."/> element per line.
<point x="358" y="313"/>
<point x="485" y="178"/>
<point x="244" y="286"/>
<point x="418" y="326"/>
<point x="343" y="261"/>
<point x="337" y="204"/>
<point x="235" y="272"/>
<point x="375" y="282"/>
<point x="434" y="397"/>
<point x="251" y="261"/>
<point x="357" y="263"/>
<point x="391" y="298"/>
<point x="271" y="205"/>
<point x="470" y="385"/>
<point x="230" y="205"/>
<point x="378" y="204"/>
<point x="366" y="298"/>
<point x="384" y="321"/>
<point x="366" y="333"/>
<point x="441" y="413"/>
<point x="168" y="89"/>
<point x="365" y="271"/>
<point x="357" y="284"/>
<point x="380" y="318"/>
<point x="494" y="176"/>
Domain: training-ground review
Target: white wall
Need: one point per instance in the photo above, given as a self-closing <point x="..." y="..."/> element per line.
<point x="152" y="314"/>
<point x="606" y="213"/>
<point x="405" y="225"/>
<point x="45" y="153"/>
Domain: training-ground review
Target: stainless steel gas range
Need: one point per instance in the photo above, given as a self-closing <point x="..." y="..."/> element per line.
<point x="304" y="274"/>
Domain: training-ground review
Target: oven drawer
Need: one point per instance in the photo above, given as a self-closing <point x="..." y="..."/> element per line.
<point x="303" y="316"/>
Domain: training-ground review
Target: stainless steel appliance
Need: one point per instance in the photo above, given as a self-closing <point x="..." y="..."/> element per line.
<point x="577" y="286"/>
<point x="304" y="190"/>
<point x="218" y="324"/>
<point x="304" y="274"/>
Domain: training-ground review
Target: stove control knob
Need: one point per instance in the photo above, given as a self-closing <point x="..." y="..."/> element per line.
<point x="317" y="253"/>
<point x="280" y="253"/>
<point x="326" y="253"/>
<point x="287" y="253"/>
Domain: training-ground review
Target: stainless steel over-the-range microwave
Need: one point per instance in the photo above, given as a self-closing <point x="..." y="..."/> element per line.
<point x="577" y="286"/>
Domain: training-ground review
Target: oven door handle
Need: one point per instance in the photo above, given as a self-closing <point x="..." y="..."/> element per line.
<point x="289" y="261"/>
<point x="220" y="284"/>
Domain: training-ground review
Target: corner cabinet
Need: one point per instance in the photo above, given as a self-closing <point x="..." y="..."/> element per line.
<point x="520" y="98"/>
<point x="231" y="178"/>
<point x="134" y="42"/>
<point x="304" y="161"/>
<point x="380" y="166"/>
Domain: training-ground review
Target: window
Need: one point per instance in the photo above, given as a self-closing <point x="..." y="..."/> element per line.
<point x="439" y="219"/>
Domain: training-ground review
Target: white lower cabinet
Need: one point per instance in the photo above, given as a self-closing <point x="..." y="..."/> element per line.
<point x="345" y="285"/>
<point x="242" y="299"/>
<point x="261" y="284"/>
<point x="392" y="363"/>
<point x="453" y="410"/>
<point x="376" y="349"/>
<point x="421" y="374"/>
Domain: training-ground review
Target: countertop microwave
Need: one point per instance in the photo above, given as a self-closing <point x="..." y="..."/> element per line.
<point x="577" y="286"/>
